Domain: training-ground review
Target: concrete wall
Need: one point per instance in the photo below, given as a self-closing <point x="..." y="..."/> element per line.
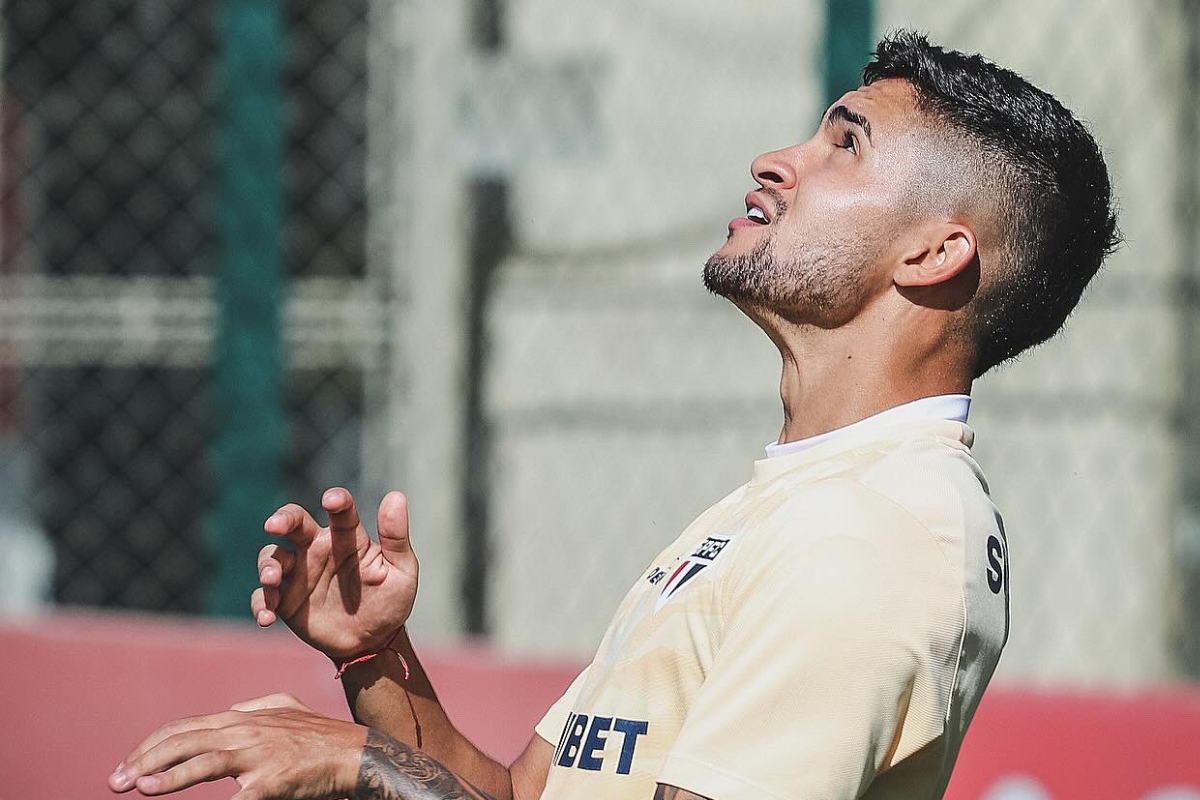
<point x="624" y="399"/>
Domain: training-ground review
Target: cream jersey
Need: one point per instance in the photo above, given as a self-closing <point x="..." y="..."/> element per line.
<point x="825" y="632"/>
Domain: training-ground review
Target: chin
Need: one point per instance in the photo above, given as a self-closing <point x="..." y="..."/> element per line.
<point x="724" y="251"/>
<point x="739" y="270"/>
<point x="726" y="275"/>
<point x="729" y="248"/>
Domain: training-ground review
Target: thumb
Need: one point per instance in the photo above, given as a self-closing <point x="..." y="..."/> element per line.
<point x="393" y="527"/>
<point x="278" y="700"/>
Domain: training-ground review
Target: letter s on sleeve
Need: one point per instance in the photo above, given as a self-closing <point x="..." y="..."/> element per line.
<point x="995" y="571"/>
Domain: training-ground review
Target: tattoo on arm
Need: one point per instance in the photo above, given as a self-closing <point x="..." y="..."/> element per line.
<point x="391" y="770"/>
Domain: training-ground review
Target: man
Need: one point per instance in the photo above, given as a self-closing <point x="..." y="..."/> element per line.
<point x="825" y="631"/>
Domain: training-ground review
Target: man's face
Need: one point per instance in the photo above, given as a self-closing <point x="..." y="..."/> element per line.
<point x="817" y="239"/>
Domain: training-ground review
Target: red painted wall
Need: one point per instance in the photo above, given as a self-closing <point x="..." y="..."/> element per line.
<point x="78" y="691"/>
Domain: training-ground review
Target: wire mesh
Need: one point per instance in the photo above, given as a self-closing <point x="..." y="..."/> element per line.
<point x="109" y="267"/>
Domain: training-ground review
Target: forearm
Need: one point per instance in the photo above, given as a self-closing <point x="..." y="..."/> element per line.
<point x="408" y="712"/>
<point x="392" y="770"/>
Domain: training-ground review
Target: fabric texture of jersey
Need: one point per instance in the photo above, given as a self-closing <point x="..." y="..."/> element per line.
<point x="825" y="632"/>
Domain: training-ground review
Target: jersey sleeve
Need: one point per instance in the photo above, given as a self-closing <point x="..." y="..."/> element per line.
<point x="551" y="726"/>
<point x="837" y="659"/>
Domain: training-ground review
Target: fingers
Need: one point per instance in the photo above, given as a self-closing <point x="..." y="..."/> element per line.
<point x="272" y="750"/>
<point x="167" y="752"/>
<point x="343" y="513"/>
<point x="277" y="700"/>
<point x="293" y="522"/>
<point x="273" y="563"/>
<point x="344" y="522"/>
<point x="263" y="604"/>
<point x="393" y="526"/>
<point x="206" y="722"/>
<point x="207" y="766"/>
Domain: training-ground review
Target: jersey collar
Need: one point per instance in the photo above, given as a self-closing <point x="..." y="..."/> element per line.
<point x="893" y="428"/>
<point x="943" y="406"/>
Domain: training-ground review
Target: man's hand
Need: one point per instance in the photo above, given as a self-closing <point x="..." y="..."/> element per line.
<point x="274" y="747"/>
<point x="338" y="590"/>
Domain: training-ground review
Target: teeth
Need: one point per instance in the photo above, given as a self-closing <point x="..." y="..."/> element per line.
<point x="756" y="214"/>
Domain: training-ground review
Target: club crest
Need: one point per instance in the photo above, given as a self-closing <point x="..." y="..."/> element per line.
<point x="687" y="569"/>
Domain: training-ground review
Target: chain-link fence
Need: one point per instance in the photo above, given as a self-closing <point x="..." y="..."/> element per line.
<point x="112" y="274"/>
<point x="519" y="337"/>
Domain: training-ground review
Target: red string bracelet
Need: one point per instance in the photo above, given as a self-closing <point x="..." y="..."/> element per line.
<point x="345" y="665"/>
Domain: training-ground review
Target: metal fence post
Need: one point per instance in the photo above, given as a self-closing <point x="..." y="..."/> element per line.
<point x="247" y="454"/>
<point x="419" y="258"/>
<point x="849" y="38"/>
<point x="1189" y="151"/>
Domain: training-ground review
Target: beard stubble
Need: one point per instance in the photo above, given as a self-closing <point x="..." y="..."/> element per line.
<point x="821" y="282"/>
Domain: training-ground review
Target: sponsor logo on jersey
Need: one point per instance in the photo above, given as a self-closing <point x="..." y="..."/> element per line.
<point x="688" y="569"/>
<point x="584" y="739"/>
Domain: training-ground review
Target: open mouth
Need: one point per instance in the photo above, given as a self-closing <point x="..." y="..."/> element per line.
<point x="756" y="210"/>
<point x="756" y="214"/>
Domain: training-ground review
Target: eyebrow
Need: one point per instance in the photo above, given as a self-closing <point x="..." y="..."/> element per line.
<point x="854" y="118"/>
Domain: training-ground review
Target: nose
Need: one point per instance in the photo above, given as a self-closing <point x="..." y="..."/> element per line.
<point x="774" y="170"/>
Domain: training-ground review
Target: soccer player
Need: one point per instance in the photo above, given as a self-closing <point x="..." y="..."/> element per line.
<point x="826" y="630"/>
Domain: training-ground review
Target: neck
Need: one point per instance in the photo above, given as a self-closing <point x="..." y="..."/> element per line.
<point x="833" y="377"/>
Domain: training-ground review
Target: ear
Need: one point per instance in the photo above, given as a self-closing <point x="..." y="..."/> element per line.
<point x="944" y="252"/>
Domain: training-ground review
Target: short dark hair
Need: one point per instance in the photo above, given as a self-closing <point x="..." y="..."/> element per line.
<point x="1047" y="177"/>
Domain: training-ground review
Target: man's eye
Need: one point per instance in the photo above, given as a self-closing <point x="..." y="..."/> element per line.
<point x="849" y="143"/>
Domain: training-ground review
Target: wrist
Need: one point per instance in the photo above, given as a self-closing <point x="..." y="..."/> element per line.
<point x="346" y="763"/>
<point x="390" y="646"/>
<point x="340" y="653"/>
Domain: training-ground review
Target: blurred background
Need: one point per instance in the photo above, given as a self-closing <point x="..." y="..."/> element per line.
<point x="251" y="249"/>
